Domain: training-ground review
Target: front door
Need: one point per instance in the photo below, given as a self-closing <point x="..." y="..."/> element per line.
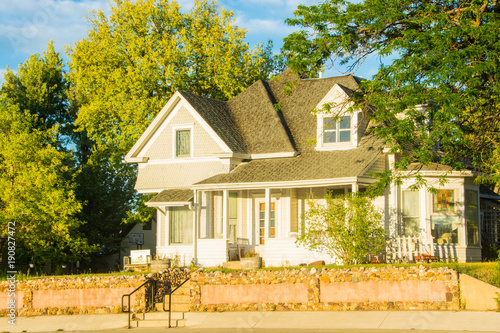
<point x="260" y="210"/>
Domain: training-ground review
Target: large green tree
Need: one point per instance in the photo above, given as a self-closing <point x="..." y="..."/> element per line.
<point x="35" y="194"/>
<point x="447" y="57"/>
<point x="133" y="61"/>
<point x="39" y="86"/>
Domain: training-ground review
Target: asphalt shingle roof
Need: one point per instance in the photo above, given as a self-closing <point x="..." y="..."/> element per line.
<point x="267" y="119"/>
<point x="173" y="195"/>
<point x="217" y="115"/>
<point x="308" y="166"/>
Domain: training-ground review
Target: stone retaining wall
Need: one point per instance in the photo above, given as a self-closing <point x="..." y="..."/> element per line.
<point x="374" y="288"/>
<point x="72" y="295"/>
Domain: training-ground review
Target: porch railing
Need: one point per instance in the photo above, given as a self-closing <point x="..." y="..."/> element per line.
<point x="402" y="249"/>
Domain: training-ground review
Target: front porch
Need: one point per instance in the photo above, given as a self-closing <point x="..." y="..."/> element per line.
<point x="231" y="222"/>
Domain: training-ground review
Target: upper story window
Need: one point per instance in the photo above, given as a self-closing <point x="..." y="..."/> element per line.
<point x="183" y="143"/>
<point x="336" y="130"/>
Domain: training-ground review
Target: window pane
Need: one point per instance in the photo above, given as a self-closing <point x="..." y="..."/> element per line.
<point x="181" y="225"/>
<point x="444" y="229"/>
<point x="411" y="226"/>
<point x="345" y="122"/>
<point x="345" y="136"/>
<point x="444" y="201"/>
<point x="411" y="213"/>
<point x="329" y="136"/>
<point x="329" y="123"/>
<point x="183" y="143"/>
<point x="410" y="203"/>
<point x="471" y="214"/>
<point x="329" y="130"/>
<point x="233" y="208"/>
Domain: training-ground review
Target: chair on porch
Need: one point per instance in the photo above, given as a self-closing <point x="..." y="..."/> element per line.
<point x="238" y="249"/>
<point x="243" y="245"/>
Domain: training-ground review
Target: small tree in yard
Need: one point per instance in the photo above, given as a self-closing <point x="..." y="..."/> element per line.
<point x="347" y="228"/>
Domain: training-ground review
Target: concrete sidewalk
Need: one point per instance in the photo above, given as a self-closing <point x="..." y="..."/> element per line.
<point x="363" y="320"/>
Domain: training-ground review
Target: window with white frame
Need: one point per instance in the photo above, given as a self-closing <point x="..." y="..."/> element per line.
<point x="444" y="219"/>
<point x="183" y="143"/>
<point x="472" y="217"/>
<point x="336" y="130"/>
<point x="411" y="213"/>
<point x="180" y="225"/>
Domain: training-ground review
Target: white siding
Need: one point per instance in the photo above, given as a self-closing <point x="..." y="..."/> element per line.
<point x="163" y="176"/>
<point x="204" y="145"/>
<point x="183" y="253"/>
<point x="212" y="252"/>
<point x="284" y="252"/>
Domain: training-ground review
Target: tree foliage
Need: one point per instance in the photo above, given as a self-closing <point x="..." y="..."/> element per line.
<point x="34" y="191"/>
<point x="135" y="59"/>
<point x="39" y="87"/>
<point x="447" y="57"/>
<point x="347" y="228"/>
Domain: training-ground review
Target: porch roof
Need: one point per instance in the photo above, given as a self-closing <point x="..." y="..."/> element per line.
<point x="311" y="165"/>
<point x="175" y="195"/>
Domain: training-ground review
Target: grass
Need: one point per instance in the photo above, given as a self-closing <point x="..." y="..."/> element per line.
<point x="488" y="272"/>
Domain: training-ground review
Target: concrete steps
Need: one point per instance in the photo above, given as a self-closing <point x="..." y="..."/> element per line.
<point x="181" y="302"/>
<point x="232" y="264"/>
<point x="181" y="299"/>
<point x="159" y="319"/>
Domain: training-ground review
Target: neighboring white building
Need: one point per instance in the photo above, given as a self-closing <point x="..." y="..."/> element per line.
<point x="243" y="169"/>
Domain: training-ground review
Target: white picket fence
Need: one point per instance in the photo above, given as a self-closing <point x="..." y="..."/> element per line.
<point x="401" y="249"/>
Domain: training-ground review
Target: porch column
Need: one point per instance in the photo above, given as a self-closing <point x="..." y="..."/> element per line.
<point x="355" y="187"/>
<point x="393" y="221"/>
<point x="196" y="215"/>
<point x="225" y="212"/>
<point x="267" y="220"/>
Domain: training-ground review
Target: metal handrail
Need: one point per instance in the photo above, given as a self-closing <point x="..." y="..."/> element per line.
<point x="130" y="294"/>
<point x="170" y="302"/>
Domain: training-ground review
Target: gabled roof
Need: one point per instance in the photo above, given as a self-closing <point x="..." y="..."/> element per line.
<point x="217" y="115"/>
<point x="259" y="121"/>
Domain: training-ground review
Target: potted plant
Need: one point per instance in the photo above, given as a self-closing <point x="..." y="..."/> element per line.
<point x="252" y="260"/>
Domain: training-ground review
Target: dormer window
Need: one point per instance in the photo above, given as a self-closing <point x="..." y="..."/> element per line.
<point x="338" y="130"/>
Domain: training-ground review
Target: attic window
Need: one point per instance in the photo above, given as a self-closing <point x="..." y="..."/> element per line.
<point x="183" y="143"/>
<point x="336" y="130"/>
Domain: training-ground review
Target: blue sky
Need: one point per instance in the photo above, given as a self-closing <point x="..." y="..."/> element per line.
<point x="26" y="26"/>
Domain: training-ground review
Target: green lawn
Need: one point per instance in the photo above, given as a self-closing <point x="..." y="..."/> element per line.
<point x="485" y="271"/>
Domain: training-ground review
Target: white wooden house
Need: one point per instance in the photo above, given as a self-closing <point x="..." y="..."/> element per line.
<point x="241" y="170"/>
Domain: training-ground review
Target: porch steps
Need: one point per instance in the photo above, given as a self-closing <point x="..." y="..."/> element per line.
<point x="232" y="264"/>
<point x="159" y="319"/>
<point x="181" y="299"/>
